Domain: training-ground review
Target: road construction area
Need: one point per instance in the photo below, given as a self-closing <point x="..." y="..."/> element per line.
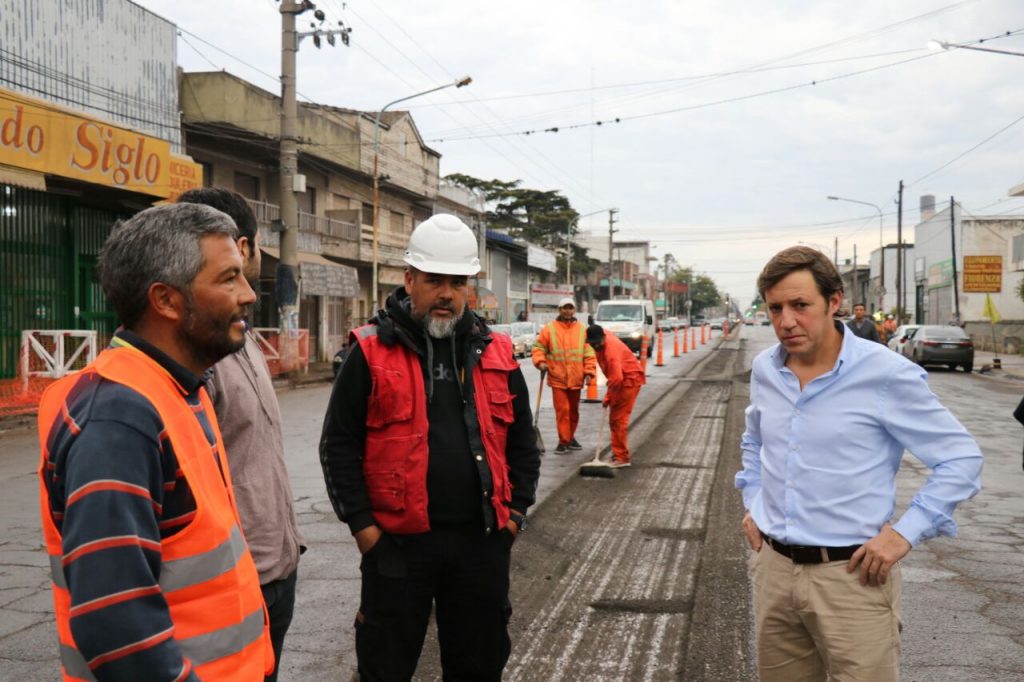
<point x="638" y="577"/>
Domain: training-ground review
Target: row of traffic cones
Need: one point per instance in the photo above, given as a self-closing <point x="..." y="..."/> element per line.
<point x="705" y="336"/>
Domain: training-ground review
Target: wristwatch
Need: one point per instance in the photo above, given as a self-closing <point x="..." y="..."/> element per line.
<point x="519" y="520"/>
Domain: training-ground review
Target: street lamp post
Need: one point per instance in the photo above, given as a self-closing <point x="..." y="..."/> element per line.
<point x="881" y="247"/>
<point x="376" y="173"/>
<point x="943" y="45"/>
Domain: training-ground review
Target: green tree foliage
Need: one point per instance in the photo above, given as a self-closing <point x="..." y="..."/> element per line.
<point x="539" y="217"/>
<point x="702" y="289"/>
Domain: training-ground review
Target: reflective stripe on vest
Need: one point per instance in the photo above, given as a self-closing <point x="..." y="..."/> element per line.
<point x="199" y="649"/>
<point x="178" y="574"/>
<point x="224" y="642"/>
<point x="568" y="354"/>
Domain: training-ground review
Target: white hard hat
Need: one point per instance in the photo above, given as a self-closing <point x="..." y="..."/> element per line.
<point x="568" y="300"/>
<point x="443" y="245"/>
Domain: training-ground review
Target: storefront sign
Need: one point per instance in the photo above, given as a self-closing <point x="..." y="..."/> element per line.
<point x="36" y="135"/>
<point x="549" y="294"/>
<point x="940" y="274"/>
<point x="983" y="274"/>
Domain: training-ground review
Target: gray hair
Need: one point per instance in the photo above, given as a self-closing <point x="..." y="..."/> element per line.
<point x="160" y="244"/>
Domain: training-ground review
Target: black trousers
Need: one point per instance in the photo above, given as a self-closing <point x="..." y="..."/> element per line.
<point x="279" y="596"/>
<point x="464" y="575"/>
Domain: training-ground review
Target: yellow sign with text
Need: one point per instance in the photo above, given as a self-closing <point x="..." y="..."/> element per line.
<point x="37" y="136"/>
<point x="983" y="274"/>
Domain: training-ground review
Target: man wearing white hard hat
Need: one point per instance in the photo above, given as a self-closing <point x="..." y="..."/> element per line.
<point x="561" y="350"/>
<point x="429" y="456"/>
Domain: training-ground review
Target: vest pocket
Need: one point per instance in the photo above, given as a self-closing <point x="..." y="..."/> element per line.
<point x="386" y="488"/>
<point x="501" y="406"/>
<point x="390" y="399"/>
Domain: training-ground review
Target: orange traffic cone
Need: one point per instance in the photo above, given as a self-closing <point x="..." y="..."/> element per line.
<point x="703" y="328"/>
<point x="592" y="392"/>
<point x="725" y="328"/>
<point x="684" y="342"/>
<point x="660" y="360"/>
<point x="675" y="341"/>
<point x="693" y="338"/>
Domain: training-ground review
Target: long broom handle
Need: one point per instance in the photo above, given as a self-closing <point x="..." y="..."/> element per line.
<point x="536" y="412"/>
<point x="600" y="433"/>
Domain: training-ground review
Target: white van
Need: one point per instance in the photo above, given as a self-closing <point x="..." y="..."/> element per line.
<point x="630" y="320"/>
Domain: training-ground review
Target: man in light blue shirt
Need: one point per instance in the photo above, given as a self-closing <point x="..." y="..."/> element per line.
<point x="829" y="418"/>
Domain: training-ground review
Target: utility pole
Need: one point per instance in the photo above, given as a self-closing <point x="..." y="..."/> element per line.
<point x="856" y="291"/>
<point x="900" y="310"/>
<point x="835" y="253"/>
<point x="611" y="231"/>
<point x="952" y="237"/>
<point x="286" y="281"/>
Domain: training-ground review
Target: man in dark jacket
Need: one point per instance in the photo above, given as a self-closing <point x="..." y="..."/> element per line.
<point x="863" y="326"/>
<point x="429" y="456"/>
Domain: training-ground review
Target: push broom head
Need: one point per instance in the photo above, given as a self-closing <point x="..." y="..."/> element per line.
<point x="596" y="469"/>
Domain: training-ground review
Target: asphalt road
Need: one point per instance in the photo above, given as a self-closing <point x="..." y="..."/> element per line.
<point x="639" y="577"/>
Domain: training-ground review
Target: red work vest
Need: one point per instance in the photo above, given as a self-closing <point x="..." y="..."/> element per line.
<point x="397" y="448"/>
<point x="207" y="575"/>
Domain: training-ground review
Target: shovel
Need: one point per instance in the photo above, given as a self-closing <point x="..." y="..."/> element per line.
<point x="536" y="413"/>
<point x="595" y="468"/>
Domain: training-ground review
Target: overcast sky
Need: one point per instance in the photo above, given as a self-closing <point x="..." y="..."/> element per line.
<point x="737" y="117"/>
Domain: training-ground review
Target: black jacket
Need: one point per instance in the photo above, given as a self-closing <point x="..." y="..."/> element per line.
<point x="458" y="486"/>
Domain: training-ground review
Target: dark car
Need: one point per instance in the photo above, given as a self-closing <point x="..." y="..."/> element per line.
<point x="942" y="345"/>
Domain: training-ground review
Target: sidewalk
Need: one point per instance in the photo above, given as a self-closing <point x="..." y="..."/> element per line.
<point x="1012" y="365"/>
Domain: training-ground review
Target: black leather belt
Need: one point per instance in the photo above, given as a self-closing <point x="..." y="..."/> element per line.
<point x="802" y="554"/>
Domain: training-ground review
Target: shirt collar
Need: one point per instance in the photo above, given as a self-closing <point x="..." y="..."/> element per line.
<point x="779" y="355"/>
<point x="188" y="381"/>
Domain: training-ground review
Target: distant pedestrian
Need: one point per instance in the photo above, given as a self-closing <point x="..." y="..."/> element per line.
<point x="429" y="456"/>
<point x="862" y="326"/>
<point x="561" y="350"/>
<point x="830" y="416"/>
<point x="152" y="578"/>
<point x="243" y="397"/>
<point x="625" y="377"/>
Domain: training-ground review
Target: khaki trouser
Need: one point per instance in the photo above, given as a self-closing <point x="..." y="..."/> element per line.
<point x="816" y="622"/>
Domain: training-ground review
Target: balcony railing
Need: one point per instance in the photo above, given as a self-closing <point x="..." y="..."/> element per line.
<point x="266" y="214"/>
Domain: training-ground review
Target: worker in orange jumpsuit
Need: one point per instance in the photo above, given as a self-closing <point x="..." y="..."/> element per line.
<point x="561" y="350"/>
<point x="625" y="377"/>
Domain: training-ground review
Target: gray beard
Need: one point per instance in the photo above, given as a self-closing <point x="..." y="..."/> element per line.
<point x="438" y="328"/>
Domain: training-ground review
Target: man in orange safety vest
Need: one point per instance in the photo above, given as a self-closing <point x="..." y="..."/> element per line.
<point x="561" y="350"/>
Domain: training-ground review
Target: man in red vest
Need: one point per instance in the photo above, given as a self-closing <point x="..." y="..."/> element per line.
<point x="625" y="377"/>
<point x="430" y="458"/>
<point x="151" y="573"/>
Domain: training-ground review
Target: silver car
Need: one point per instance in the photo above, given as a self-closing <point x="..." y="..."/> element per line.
<point x="942" y="345"/>
<point x="523" y="336"/>
<point x="900" y="339"/>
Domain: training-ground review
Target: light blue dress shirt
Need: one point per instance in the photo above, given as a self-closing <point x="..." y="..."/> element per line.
<point x="819" y="465"/>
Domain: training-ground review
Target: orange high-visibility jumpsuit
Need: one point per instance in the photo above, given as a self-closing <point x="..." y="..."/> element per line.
<point x="570" y="360"/>
<point x="625" y="377"/>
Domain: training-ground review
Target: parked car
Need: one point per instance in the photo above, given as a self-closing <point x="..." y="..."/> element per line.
<point x="505" y="329"/>
<point x="716" y="322"/>
<point x="524" y="334"/>
<point x="942" y="345"/>
<point x="668" y="324"/>
<point x="900" y="340"/>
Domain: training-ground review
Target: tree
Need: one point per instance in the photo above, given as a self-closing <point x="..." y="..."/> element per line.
<point x="540" y="217"/>
<point x="702" y="289"/>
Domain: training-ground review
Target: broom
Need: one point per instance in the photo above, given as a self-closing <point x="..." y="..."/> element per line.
<point x="536" y="414"/>
<point x="595" y="468"/>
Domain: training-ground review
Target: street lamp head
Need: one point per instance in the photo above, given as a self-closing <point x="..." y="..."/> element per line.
<point x="466" y="80"/>
<point x="832" y="198"/>
<point x="938" y="45"/>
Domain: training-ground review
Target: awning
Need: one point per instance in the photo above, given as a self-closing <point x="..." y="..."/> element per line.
<point x="321" y="277"/>
<point x="22" y="178"/>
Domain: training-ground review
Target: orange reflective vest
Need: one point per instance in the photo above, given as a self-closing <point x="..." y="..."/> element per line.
<point x="397" y="450"/>
<point x="207" y="575"/>
<point x="563" y="346"/>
